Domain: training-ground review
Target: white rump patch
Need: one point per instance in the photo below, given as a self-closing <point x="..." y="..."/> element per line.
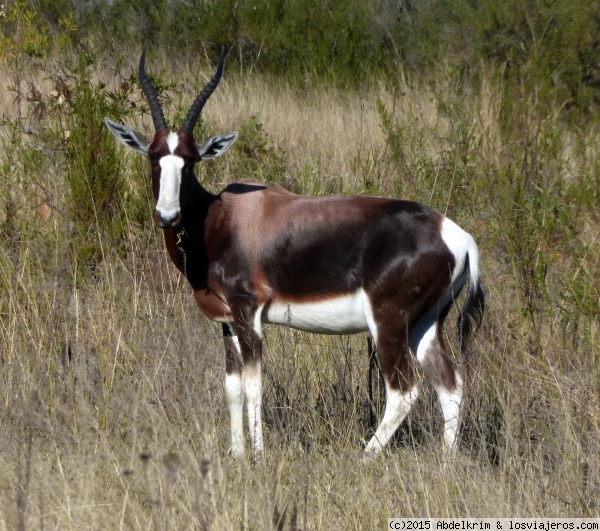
<point x="170" y="181"/>
<point x="460" y="243"/>
<point x="347" y="314"/>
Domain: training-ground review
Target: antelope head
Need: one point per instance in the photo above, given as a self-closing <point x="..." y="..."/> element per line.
<point x="173" y="156"/>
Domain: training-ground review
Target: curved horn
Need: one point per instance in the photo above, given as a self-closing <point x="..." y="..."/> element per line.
<point x="196" y="109"/>
<point x="157" y="114"/>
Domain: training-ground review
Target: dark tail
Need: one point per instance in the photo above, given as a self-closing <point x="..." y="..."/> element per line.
<point x="471" y="314"/>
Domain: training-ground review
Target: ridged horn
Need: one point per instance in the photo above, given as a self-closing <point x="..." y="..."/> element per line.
<point x="155" y="109"/>
<point x="196" y="109"/>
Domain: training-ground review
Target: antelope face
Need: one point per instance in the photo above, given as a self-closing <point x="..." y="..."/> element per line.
<point x="172" y="155"/>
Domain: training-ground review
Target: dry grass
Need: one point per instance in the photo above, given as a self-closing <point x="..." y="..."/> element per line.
<point x="113" y="412"/>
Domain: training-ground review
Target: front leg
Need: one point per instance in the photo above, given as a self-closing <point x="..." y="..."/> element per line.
<point x="248" y="324"/>
<point x="233" y="387"/>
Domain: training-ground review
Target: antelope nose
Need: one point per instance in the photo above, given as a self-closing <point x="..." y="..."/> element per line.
<point x="167" y="221"/>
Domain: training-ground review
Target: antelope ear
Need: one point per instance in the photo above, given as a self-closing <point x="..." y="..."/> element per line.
<point x="132" y="139"/>
<point x="216" y="146"/>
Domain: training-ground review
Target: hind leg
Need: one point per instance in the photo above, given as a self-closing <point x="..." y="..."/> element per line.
<point x="401" y="392"/>
<point x="428" y="344"/>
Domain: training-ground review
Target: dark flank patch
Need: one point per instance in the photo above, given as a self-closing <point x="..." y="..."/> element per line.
<point x="312" y="261"/>
<point x="360" y="252"/>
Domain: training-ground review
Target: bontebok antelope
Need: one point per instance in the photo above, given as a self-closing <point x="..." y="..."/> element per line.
<point x="256" y="253"/>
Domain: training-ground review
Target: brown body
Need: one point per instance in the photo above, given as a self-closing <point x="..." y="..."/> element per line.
<point x="262" y="242"/>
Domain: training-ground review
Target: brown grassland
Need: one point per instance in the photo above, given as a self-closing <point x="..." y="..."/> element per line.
<point x="113" y="413"/>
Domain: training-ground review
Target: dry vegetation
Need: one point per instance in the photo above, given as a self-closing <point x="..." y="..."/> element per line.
<point x="113" y="413"/>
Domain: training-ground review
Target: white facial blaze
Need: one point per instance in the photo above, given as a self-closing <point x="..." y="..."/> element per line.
<point x="170" y="181"/>
<point x="172" y="141"/>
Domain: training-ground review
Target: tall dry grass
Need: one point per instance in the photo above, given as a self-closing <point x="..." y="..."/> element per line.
<point x="113" y="412"/>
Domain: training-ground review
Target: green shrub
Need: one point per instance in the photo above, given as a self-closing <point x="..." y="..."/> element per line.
<point x="98" y="193"/>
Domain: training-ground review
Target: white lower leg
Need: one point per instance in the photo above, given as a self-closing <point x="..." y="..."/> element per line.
<point x="450" y="402"/>
<point x="397" y="407"/>
<point x="252" y="385"/>
<point x="233" y="387"/>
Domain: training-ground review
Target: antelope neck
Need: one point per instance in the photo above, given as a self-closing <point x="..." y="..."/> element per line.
<point x="185" y="243"/>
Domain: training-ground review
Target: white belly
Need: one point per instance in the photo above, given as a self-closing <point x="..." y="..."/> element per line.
<point x="347" y="314"/>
